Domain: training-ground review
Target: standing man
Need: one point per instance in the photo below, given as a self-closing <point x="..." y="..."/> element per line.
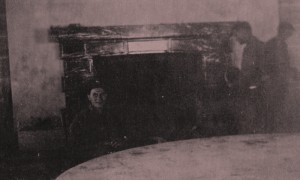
<point x="278" y="70"/>
<point x="246" y="64"/>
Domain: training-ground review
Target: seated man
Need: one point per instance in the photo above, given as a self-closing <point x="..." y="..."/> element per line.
<point x="93" y="130"/>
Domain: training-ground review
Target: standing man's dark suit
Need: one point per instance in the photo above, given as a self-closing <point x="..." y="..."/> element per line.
<point x="252" y="65"/>
<point x="247" y="65"/>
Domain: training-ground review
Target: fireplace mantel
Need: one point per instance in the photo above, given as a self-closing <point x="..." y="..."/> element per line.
<point x="83" y="33"/>
<point x="80" y="41"/>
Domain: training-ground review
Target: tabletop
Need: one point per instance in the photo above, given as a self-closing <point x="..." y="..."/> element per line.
<point x="246" y="157"/>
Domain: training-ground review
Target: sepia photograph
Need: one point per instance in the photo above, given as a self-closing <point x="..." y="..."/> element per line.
<point x="149" y="89"/>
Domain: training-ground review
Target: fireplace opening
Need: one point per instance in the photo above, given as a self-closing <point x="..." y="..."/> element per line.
<point x="143" y="88"/>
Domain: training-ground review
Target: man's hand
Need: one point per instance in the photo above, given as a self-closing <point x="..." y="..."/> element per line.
<point x="116" y="144"/>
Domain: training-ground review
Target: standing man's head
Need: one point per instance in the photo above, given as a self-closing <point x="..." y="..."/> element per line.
<point x="96" y="94"/>
<point x="242" y="31"/>
<point x="285" y="30"/>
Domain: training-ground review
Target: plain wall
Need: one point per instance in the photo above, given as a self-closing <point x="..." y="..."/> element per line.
<point x="36" y="69"/>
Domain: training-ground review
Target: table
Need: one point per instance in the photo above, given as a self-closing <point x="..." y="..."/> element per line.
<point x="245" y="157"/>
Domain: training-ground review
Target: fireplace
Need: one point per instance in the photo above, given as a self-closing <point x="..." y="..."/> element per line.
<point x="166" y="67"/>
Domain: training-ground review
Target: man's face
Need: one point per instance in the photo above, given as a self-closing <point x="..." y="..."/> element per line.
<point x="243" y="36"/>
<point x="97" y="97"/>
